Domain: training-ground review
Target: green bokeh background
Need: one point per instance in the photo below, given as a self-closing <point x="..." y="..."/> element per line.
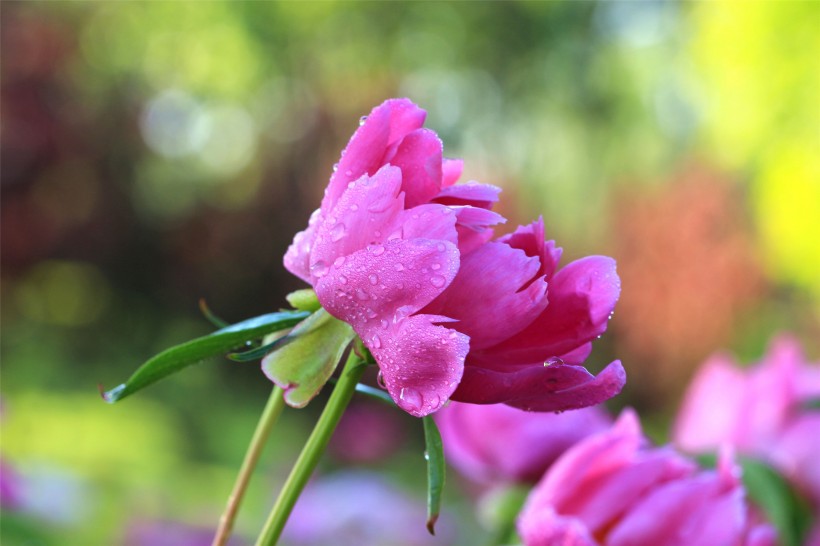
<point x="157" y="152"/>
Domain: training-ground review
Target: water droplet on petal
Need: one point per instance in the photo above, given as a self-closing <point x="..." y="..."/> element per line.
<point x="319" y="269"/>
<point x="426" y="455"/>
<point x="376" y="343"/>
<point x="412" y="398"/>
<point x="554" y="361"/>
<point x="342" y="279"/>
<point x="380" y="380"/>
<point x="384" y="323"/>
<point x="337" y="232"/>
<point x="361" y="294"/>
<point x="351" y="184"/>
<point x="354" y="207"/>
<point x="371" y="313"/>
<point x="339" y="262"/>
<point x="435" y="267"/>
<point x="440" y="247"/>
<point x="348" y="173"/>
<point x="377" y="250"/>
<point x="398" y="266"/>
<point x="335" y="167"/>
<point x="374" y="279"/>
<point x="362" y="120"/>
<point x="438" y="281"/>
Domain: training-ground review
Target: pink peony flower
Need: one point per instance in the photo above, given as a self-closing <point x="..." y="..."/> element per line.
<point x="613" y="489"/>
<point x="498" y="443"/>
<point x="761" y="411"/>
<point x="402" y="254"/>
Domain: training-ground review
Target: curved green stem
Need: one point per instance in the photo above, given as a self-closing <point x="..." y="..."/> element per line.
<point x="312" y="452"/>
<point x="266" y="421"/>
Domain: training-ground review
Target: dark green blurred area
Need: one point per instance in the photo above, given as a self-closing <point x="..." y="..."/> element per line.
<point x="156" y="153"/>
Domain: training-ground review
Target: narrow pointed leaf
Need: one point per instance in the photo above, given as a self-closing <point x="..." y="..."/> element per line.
<point x="435" y="471"/>
<point x="308" y="356"/>
<point x="260" y="352"/>
<point x="176" y="358"/>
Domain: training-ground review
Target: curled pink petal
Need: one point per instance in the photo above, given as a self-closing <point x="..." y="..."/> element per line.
<point x="582" y="297"/>
<point x="496" y="294"/>
<point x="530" y="239"/>
<point x="419" y="158"/>
<point x="376" y="138"/>
<point x="553" y="529"/>
<point x="470" y="194"/>
<point x="451" y="170"/>
<point x="541" y="388"/>
<point x="358" y="218"/>
<point x="421" y="362"/>
<point x="297" y="257"/>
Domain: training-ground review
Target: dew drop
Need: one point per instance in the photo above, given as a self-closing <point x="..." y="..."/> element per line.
<point x="339" y="262"/>
<point x="553" y="361"/>
<point x="319" y="269"/>
<point x="380" y="380"/>
<point x="351" y="185"/>
<point x="362" y="120"/>
<point x="384" y="323"/>
<point x="354" y="207"/>
<point x="398" y="266"/>
<point x="337" y="232"/>
<point x="438" y="281"/>
<point x="412" y="398"/>
<point x="335" y="167"/>
<point x="440" y="247"/>
<point x="453" y="334"/>
<point x="435" y="267"/>
<point x="426" y="455"/>
<point x="342" y="279"/>
<point x="348" y="173"/>
<point x="362" y="295"/>
<point x="374" y="279"/>
<point x="377" y="250"/>
<point x="376" y="343"/>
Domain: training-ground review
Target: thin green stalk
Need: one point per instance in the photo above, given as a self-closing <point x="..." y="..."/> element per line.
<point x="266" y="421"/>
<point x="312" y="452"/>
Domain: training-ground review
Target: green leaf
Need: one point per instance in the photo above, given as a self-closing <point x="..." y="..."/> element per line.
<point x="174" y="359"/>
<point x="775" y="496"/>
<point x="308" y="356"/>
<point x="783" y="507"/>
<point x="378" y="394"/>
<point x="435" y="471"/>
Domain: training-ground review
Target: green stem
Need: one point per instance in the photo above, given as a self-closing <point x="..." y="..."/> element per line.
<point x="312" y="452"/>
<point x="266" y="421"/>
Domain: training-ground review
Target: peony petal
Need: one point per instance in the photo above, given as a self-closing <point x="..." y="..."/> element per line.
<point x="361" y="216"/>
<point x="297" y="258"/>
<point x="603" y="476"/>
<point x="426" y="222"/>
<point x="421" y="363"/>
<point x="704" y="510"/>
<point x="530" y="239"/>
<point x="372" y="141"/>
<point x="384" y="283"/>
<point x="494" y="295"/>
<point x="541" y="388"/>
<point x="582" y="297"/>
<point x="419" y="158"/>
<point x="712" y="407"/>
<point x="451" y="170"/>
<point x="545" y="527"/>
<point x="471" y="194"/>
<point x="577" y="356"/>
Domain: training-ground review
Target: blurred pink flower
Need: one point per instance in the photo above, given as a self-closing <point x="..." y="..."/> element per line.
<point x="612" y="489"/>
<point x="401" y="253"/>
<point x="170" y="533"/>
<point x="498" y="443"/>
<point x="762" y="411"/>
<point x="366" y="433"/>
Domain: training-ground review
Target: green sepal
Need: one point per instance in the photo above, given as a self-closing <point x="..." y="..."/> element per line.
<point x="775" y="496"/>
<point x="435" y="471"/>
<point x="308" y="356"/>
<point x="220" y="342"/>
<point x="304" y="300"/>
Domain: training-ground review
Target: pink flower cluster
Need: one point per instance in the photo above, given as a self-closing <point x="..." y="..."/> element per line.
<point x="613" y="489"/>
<point x="406" y="256"/>
<point x="764" y="411"/>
